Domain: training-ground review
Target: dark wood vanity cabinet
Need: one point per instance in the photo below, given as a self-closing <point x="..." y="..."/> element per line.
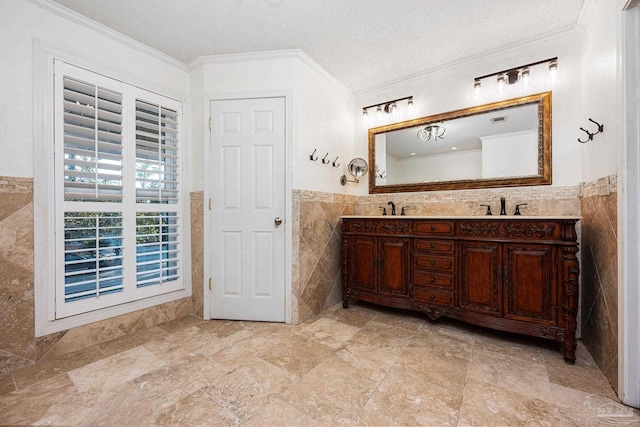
<point x="513" y="274"/>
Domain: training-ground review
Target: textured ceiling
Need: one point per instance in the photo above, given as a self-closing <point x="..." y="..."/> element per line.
<point x="363" y="43"/>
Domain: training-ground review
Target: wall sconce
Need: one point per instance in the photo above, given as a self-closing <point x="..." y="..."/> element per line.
<point x="514" y="75"/>
<point x="388" y="107"/>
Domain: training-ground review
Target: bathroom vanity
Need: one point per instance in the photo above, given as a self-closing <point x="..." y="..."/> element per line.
<point x="510" y="273"/>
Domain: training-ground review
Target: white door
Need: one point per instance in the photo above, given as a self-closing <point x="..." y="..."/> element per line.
<point x="248" y="251"/>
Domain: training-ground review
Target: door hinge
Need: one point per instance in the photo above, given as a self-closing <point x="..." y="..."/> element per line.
<point x="209" y="283"/>
<point x="210" y="123"/>
<point x="209" y="204"/>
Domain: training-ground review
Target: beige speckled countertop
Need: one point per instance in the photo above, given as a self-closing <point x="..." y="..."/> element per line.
<point x="486" y="217"/>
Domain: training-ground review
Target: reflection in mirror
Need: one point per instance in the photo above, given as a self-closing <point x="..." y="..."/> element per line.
<point x="501" y="144"/>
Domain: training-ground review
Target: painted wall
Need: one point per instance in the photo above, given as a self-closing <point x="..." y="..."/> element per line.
<point x="600" y="213"/>
<point x="452" y="88"/>
<point x="21" y="25"/>
<point x="24" y="29"/>
<point x="440" y="167"/>
<point x="599" y="88"/>
<point x="322" y="110"/>
<point x="510" y="154"/>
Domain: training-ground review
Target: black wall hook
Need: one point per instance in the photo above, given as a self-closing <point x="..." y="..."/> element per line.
<point x="311" y="156"/>
<point x="324" y="159"/>
<point x="334" y="163"/>
<point x="600" y="127"/>
<point x="589" y="134"/>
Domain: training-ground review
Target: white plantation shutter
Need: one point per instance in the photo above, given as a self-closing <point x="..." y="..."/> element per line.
<point x="117" y="192"/>
<point x="157" y="248"/>
<point x="156" y="153"/>
<point x="92" y="142"/>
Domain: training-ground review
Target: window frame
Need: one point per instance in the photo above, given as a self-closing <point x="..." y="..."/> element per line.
<point x="45" y="199"/>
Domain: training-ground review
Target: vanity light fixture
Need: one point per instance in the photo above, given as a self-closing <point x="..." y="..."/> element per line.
<point x="514" y="75"/>
<point x="389" y="107"/>
<point x="434" y="132"/>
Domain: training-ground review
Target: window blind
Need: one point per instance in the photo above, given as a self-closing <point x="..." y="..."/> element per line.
<point x="156" y="153"/>
<point x="92" y="142"/>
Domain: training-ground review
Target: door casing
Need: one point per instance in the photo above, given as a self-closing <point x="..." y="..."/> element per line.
<point x="208" y="176"/>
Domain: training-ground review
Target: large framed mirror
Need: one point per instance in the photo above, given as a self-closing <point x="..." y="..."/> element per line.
<point x="503" y="144"/>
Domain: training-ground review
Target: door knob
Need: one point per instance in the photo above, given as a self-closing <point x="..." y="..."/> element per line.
<point x="278" y="220"/>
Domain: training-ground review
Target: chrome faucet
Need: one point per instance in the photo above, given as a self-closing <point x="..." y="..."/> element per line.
<point x="393" y="208"/>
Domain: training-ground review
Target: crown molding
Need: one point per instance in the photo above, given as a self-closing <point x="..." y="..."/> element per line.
<point x="273" y="55"/>
<point x="496" y="53"/>
<point x="105" y="31"/>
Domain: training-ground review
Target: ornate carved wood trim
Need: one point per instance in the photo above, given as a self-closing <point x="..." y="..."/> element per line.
<point x="517" y="229"/>
<point x="485" y="229"/>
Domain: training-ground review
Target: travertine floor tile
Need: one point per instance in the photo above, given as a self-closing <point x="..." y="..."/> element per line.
<point x="177" y="325"/>
<point x="511" y="373"/>
<point x="279" y="413"/>
<point x="169" y="384"/>
<point x="329" y="332"/>
<point x="487" y="404"/>
<point x="403" y="400"/>
<point x="29" y="405"/>
<point x="6" y="384"/>
<point x="122" y="405"/>
<point x="331" y="396"/>
<point x="360" y="366"/>
<point x="297" y="354"/>
<point x="113" y="371"/>
<point x="196" y="409"/>
<point x="50" y="368"/>
<point x="133" y="340"/>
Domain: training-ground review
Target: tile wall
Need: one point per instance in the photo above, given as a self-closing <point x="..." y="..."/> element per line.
<point x="540" y="201"/>
<point x="316" y="249"/>
<point x="19" y="346"/>
<point x="600" y="278"/>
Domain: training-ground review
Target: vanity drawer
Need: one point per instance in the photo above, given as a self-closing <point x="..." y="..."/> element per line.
<point x="434" y="296"/>
<point x="434" y="262"/>
<point x="429" y="278"/>
<point x="444" y="228"/>
<point x="427" y="245"/>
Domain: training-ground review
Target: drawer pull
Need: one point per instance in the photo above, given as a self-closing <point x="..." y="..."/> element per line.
<point x="433" y="228"/>
<point x="433" y="279"/>
<point x="433" y="245"/>
<point x="432" y="297"/>
<point x="433" y="263"/>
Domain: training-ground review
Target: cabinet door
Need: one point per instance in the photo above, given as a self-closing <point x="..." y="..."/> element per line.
<point x="394" y="266"/>
<point x="481" y="277"/>
<point x="529" y="291"/>
<point x="363" y="252"/>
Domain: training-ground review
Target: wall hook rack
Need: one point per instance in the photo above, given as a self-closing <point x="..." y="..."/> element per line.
<point x="334" y="163"/>
<point x="324" y="159"/>
<point x="311" y="156"/>
<point x="589" y="134"/>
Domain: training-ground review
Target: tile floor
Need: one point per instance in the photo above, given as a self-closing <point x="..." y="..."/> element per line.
<point x="362" y="366"/>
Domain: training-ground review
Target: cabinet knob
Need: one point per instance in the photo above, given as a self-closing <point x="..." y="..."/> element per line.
<point x="433" y="228"/>
<point x="433" y="279"/>
<point x="433" y="263"/>
<point x="432" y="297"/>
<point x="433" y="245"/>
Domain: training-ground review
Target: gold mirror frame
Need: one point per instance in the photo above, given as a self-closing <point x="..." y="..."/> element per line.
<point x="543" y="100"/>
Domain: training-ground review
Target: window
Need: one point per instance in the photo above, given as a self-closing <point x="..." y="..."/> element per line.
<point x="118" y="211"/>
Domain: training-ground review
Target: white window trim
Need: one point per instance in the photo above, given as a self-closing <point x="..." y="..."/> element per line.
<point x="44" y="198"/>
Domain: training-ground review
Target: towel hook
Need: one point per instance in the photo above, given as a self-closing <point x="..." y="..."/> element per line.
<point x="324" y="159"/>
<point x="311" y="156"/>
<point x="334" y="163"/>
<point x="590" y="136"/>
